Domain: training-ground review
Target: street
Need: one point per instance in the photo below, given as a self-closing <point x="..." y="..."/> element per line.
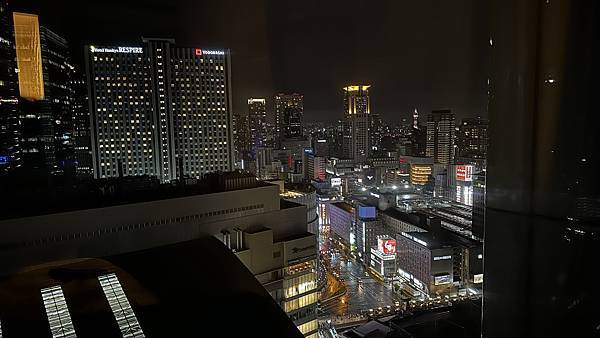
<point x="362" y="291"/>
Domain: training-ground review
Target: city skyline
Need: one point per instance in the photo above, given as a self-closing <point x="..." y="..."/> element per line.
<point x="413" y="72"/>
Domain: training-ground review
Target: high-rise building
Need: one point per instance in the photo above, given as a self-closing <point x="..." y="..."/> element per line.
<point x="472" y="138"/>
<point x="257" y="120"/>
<point x="289" y="115"/>
<point x="159" y="109"/>
<point x="440" y="136"/>
<point x="45" y="73"/>
<point x="58" y="73"/>
<point x="35" y="120"/>
<point x="357" y="108"/>
<point x="478" y="223"/>
<point x="81" y="127"/>
<point x="10" y="152"/>
<point x="415" y="119"/>
<point x="241" y="137"/>
<point x="376" y="131"/>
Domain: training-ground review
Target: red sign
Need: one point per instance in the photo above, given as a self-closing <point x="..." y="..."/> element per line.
<point x="386" y="246"/>
<point x="198" y="52"/>
<point x="464" y="173"/>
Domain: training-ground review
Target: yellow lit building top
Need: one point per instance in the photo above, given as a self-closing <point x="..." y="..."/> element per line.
<point x="29" y="56"/>
<point x="356" y="88"/>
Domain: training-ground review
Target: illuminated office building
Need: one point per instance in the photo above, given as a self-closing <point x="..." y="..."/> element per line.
<point x="58" y="73"/>
<point x="440" y="136"/>
<point x="357" y="108"/>
<point x="289" y="115"/>
<point x="81" y="127"/>
<point x="472" y="138"/>
<point x="10" y="154"/>
<point x="44" y="75"/>
<point x="257" y="119"/>
<point x="158" y="109"/>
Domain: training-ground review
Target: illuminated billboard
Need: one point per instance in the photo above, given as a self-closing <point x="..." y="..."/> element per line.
<point x="336" y="181"/>
<point x="441" y="280"/>
<point x="478" y="278"/>
<point x="367" y="212"/>
<point x="464" y="173"/>
<point x="386" y="246"/>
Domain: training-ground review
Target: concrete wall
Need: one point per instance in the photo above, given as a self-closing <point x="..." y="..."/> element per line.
<point x="112" y="230"/>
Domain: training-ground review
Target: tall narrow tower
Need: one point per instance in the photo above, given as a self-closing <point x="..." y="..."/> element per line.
<point x="357" y="108"/>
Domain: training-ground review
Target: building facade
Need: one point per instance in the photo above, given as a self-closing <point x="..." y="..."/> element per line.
<point x="257" y="121"/>
<point x="10" y="151"/>
<point x="289" y="115"/>
<point x="160" y="110"/>
<point x="472" y="138"/>
<point x="356" y="123"/>
<point x="440" y="136"/>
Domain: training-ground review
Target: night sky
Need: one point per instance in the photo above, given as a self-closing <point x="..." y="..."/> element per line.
<point x="423" y="54"/>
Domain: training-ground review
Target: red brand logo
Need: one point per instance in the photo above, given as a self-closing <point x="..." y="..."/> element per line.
<point x="198" y="52"/>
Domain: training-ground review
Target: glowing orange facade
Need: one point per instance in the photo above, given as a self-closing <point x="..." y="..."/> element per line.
<point x="29" y="56"/>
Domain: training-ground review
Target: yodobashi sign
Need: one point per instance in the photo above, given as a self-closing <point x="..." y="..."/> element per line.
<point x="126" y="50"/>
<point x="200" y="52"/>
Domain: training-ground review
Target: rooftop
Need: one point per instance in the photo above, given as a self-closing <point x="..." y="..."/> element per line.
<point x="344" y="206"/>
<point x="40" y="198"/>
<point x="164" y="292"/>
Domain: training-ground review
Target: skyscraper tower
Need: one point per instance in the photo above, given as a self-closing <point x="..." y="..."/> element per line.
<point x="415" y="119"/>
<point x="45" y="73"/>
<point x="440" y="136"/>
<point x="289" y="115"/>
<point x="257" y="119"/>
<point x="357" y="107"/>
<point x="10" y="152"/>
<point x="159" y="110"/>
<point x="472" y="138"/>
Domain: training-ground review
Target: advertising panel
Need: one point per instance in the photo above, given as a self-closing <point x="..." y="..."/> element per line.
<point x="441" y="280"/>
<point x="367" y="212"/>
<point x="464" y="173"/>
<point x="386" y="246"/>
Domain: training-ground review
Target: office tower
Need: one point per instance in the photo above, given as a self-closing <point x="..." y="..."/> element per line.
<point x="37" y="139"/>
<point x="82" y="138"/>
<point x="257" y="120"/>
<point x="440" y="136"/>
<point x="58" y="73"/>
<point x="542" y="164"/>
<point x="415" y="119"/>
<point x="45" y="73"/>
<point x="478" y="218"/>
<point x="10" y="153"/>
<point x="472" y="138"/>
<point x="241" y="136"/>
<point x="376" y="131"/>
<point x="316" y="166"/>
<point x="159" y="109"/>
<point x="357" y="107"/>
<point x="289" y="115"/>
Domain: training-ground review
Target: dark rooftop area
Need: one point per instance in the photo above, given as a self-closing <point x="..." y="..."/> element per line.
<point x="60" y="196"/>
<point x="195" y="288"/>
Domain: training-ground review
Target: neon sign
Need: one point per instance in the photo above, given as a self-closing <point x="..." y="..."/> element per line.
<point x="200" y="52"/>
<point x="127" y="50"/>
